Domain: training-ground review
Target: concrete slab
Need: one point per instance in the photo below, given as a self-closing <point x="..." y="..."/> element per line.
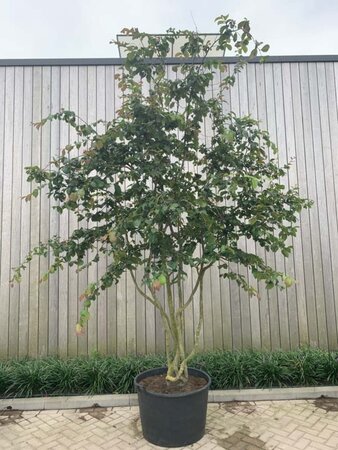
<point x="113" y="400"/>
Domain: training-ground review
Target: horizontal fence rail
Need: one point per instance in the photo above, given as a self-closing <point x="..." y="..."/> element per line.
<point x="295" y="98"/>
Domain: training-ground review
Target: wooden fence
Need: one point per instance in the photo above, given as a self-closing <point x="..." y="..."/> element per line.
<point x="294" y="98"/>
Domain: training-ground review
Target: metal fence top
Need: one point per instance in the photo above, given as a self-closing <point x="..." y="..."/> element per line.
<point x="120" y="61"/>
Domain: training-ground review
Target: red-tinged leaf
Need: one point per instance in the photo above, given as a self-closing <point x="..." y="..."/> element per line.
<point x="79" y="330"/>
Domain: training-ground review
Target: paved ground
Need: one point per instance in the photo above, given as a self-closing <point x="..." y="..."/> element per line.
<point x="297" y="424"/>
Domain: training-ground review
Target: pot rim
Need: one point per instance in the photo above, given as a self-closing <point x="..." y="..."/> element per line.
<point x="139" y="387"/>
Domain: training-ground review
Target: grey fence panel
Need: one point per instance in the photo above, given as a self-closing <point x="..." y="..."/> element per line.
<point x="295" y="99"/>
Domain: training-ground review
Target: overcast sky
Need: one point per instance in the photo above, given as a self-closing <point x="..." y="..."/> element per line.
<point x="83" y="28"/>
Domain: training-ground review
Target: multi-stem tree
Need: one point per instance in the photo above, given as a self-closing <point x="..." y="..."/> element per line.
<point x="152" y="192"/>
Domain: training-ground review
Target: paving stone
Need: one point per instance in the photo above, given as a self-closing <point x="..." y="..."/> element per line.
<point x="278" y="425"/>
<point x="302" y="443"/>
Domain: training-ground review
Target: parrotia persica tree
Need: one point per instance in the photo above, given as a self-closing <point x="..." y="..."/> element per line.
<point x="149" y="192"/>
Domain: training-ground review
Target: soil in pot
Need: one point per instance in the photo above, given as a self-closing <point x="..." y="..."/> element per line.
<point x="158" y="383"/>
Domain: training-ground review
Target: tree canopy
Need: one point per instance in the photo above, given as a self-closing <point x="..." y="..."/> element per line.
<point x="154" y="191"/>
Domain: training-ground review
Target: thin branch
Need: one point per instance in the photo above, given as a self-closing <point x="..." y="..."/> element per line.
<point x="154" y="301"/>
<point x="191" y="297"/>
<point x="199" y="326"/>
<point x="141" y="291"/>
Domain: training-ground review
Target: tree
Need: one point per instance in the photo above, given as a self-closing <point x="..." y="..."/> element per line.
<point x="156" y="195"/>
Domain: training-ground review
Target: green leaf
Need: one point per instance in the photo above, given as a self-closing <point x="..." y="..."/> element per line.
<point x="253" y="180"/>
<point x="229" y="135"/>
<point x="162" y="279"/>
<point x="288" y="281"/>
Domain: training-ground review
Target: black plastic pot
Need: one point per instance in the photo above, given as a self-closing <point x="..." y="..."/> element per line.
<point x="172" y="420"/>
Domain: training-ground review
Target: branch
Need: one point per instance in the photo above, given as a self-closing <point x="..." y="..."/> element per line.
<point x="191" y="297"/>
<point x="154" y="301"/>
<point x="199" y="325"/>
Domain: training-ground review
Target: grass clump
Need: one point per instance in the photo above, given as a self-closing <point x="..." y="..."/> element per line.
<point x="110" y="374"/>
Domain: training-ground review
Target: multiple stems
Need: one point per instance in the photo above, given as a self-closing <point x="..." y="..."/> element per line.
<point x="173" y="323"/>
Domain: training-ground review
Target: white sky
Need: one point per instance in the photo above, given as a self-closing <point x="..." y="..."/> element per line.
<point x="83" y="28"/>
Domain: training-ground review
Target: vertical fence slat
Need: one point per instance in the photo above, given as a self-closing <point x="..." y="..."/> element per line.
<point x="284" y="326"/>
<point x="236" y="317"/>
<point x="292" y="261"/>
<point x="73" y="294"/>
<point x="270" y="258"/>
<point x="319" y="224"/>
<point x="121" y="303"/>
<point x="243" y="110"/>
<point x="111" y="292"/>
<point x="25" y="209"/>
<point x="102" y="301"/>
<point x="224" y="283"/>
<point x="254" y="302"/>
<point x="223" y="287"/>
<point x="64" y="225"/>
<point x="53" y="282"/>
<point x="264" y="307"/>
<point x="208" y="323"/>
<point x="44" y="212"/>
<point x="35" y="219"/>
<point x="305" y="292"/>
<point x="93" y="269"/>
<point x="82" y="341"/>
<point x="14" y="303"/>
<point x="7" y="171"/>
